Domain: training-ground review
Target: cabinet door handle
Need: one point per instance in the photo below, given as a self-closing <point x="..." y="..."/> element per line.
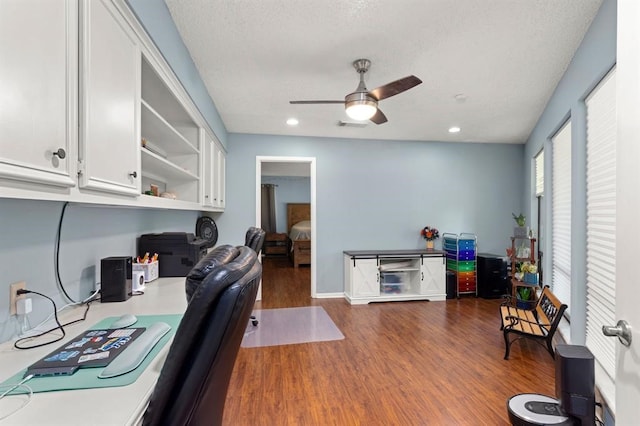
<point x="60" y="153"/>
<point x="421" y="276"/>
<point x="377" y="278"/>
<point x="133" y="174"/>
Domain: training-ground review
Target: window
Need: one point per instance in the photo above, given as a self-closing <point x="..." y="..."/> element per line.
<point x="539" y="163"/>
<point x="601" y="220"/>
<point x="539" y="192"/>
<point x="561" y="215"/>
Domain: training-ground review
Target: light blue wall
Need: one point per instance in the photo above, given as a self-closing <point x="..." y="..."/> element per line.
<point x="156" y="19"/>
<point x="374" y="194"/>
<point x="27" y="247"/>
<point x="290" y="189"/>
<point x="593" y="59"/>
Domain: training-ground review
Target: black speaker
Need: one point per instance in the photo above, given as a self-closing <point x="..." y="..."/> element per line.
<point x="492" y="276"/>
<point x="115" y="279"/>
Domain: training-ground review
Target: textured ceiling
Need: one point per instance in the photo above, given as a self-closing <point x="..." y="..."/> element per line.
<point x="505" y="57"/>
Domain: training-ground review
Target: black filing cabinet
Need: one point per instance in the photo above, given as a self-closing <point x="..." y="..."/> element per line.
<point x="492" y="276"/>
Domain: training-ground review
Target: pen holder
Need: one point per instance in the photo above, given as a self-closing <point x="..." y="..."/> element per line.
<point x="150" y="270"/>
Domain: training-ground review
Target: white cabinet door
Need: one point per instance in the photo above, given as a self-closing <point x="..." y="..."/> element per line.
<point x="365" y="277"/>
<point x="38" y="97"/>
<point x="432" y="276"/>
<point x="110" y="103"/>
<point x="208" y="162"/>
<point x="213" y="184"/>
<point x="220" y="183"/>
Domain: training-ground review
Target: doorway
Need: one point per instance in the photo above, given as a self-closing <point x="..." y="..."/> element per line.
<point x="291" y="165"/>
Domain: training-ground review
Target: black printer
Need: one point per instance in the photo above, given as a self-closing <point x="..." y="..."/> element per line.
<point x="177" y="252"/>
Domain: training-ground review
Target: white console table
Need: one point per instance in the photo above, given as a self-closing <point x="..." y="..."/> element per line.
<point x="394" y="275"/>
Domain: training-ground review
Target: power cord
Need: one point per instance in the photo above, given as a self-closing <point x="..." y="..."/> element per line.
<point x="60" y="327"/>
<point x="93" y="296"/>
<point x="14" y="387"/>
<point x="56" y="254"/>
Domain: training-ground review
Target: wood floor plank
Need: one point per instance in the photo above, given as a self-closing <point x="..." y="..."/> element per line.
<point x="401" y="363"/>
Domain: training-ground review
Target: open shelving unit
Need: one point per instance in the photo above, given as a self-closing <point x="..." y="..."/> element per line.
<point x="517" y="256"/>
<point x="170" y="146"/>
<point x="523" y="250"/>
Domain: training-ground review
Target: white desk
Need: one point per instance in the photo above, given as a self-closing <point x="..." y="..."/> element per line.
<point x="123" y="405"/>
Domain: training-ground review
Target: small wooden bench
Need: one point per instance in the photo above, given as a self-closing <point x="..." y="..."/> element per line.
<point x="539" y="323"/>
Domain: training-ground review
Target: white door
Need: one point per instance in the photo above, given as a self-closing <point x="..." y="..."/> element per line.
<point x="628" y="211"/>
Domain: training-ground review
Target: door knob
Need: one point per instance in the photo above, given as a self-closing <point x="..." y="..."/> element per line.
<point x="60" y="153"/>
<point x="622" y="330"/>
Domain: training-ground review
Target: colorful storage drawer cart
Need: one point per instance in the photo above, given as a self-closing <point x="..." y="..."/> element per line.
<point x="461" y="251"/>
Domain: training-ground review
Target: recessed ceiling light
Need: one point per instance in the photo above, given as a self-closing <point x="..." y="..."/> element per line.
<point x="454" y="129"/>
<point x="460" y="97"/>
<point x="292" y="122"/>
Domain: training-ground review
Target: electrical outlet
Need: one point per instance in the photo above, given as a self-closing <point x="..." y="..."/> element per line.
<point x="14" y="297"/>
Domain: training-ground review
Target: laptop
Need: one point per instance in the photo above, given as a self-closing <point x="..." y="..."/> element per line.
<point x="92" y="348"/>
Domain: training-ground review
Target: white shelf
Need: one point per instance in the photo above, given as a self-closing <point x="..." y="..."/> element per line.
<point x="158" y="168"/>
<point x="399" y="270"/>
<point x="159" y="132"/>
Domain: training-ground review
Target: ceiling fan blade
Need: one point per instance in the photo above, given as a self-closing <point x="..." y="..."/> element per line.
<point x="315" y="102"/>
<point x="395" y="87"/>
<point x="379" y="117"/>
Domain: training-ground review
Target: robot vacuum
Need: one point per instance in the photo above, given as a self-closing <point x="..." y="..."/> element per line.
<point x="528" y="409"/>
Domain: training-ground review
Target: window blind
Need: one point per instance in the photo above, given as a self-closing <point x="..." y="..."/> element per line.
<point x="561" y="214"/>
<point x="601" y="220"/>
<point x="539" y="161"/>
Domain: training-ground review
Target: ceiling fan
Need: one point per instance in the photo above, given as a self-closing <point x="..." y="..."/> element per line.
<point x="363" y="104"/>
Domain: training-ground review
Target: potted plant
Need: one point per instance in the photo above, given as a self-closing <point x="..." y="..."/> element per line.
<point x="525" y="294"/>
<point x="520" y="231"/>
<point x="525" y="297"/>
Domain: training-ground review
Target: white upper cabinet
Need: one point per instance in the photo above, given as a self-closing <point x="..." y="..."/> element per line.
<point x="38" y="80"/>
<point x="90" y="112"/>
<point x="109" y="157"/>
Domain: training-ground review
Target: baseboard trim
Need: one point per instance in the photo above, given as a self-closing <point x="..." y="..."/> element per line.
<point x="329" y="295"/>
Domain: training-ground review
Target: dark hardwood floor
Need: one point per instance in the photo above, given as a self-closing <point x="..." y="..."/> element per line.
<point x="401" y="363"/>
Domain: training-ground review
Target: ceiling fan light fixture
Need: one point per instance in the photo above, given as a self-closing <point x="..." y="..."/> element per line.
<point x="360" y="106"/>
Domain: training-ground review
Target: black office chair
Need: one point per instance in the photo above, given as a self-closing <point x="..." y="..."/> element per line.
<point x="254" y="239"/>
<point x="215" y="258"/>
<point x="193" y="383"/>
